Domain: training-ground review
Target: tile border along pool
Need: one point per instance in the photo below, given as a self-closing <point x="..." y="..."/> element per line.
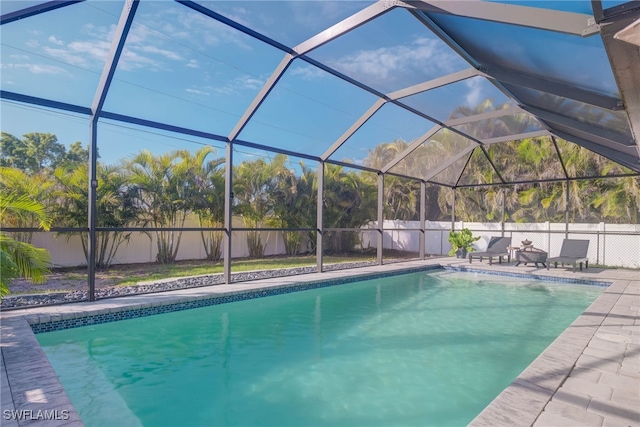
<point x="588" y="376"/>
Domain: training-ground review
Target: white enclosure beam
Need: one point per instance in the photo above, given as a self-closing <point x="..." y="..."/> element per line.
<point x="261" y="96"/>
<point x="580" y="127"/>
<point x="484" y="116"/>
<point x="526" y="16"/>
<point x="435" y="83"/>
<point x="320" y="217"/>
<point x="516" y="137"/>
<point x="344" y="26"/>
<point x="449" y="162"/>
<point x="625" y="64"/>
<point x="228" y="213"/>
<point x="423" y="216"/>
<point x="380" y="236"/>
<point x="565" y="90"/>
<point x="354" y="127"/>
<point x="414" y="144"/>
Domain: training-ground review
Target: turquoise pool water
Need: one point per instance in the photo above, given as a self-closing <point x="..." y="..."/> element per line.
<point x="427" y="349"/>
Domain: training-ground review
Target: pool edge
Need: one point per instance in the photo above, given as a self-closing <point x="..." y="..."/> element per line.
<point x="524" y="400"/>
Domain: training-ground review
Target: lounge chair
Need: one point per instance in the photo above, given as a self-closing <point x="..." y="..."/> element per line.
<point x="572" y="252"/>
<point x="497" y="248"/>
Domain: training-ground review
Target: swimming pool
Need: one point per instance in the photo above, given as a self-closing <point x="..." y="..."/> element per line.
<point x="418" y="349"/>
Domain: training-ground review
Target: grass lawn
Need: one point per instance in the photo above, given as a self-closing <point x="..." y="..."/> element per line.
<point x="196" y="268"/>
<point x="75" y="278"/>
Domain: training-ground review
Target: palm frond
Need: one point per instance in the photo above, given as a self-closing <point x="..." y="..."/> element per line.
<point x="28" y="261"/>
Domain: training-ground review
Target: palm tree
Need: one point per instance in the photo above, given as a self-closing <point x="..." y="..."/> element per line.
<point x="252" y="186"/>
<point x="166" y="185"/>
<point x="621" y="202"/>
<point x="491" y="128"/>
<point x="115" y="202"/>
<point x="384" y="153"/>
<point x="401" y="198"/>
<point x="294" y="206"/>
<point x="350" y="201"/>
<point x="208" y="200"/>
<point x="20" y="259"/>
<point x="36" y="187"/>
<point x="401" y="201"/>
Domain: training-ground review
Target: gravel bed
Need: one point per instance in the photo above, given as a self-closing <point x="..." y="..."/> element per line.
<point x="31" y="300"/>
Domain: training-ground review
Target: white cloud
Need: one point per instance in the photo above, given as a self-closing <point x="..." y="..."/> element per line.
<point x="474" y="95"/>
<point x="137" y="34"/>
<point x="162" y="52"/>
<point x="174" y="32"/>
<point x="385" y="63"/>
<point x="154" y="47"/>
<point x="151" y="46"/>
<point x="197" y="92"/>
<point x="84" y="54"/>
<point x="241" y="10"/>
<point x="315" y="13"/>
<point x="131" y="60"/>
<point x="45" y="69"/>
<point x="224" y="90"/>
<point x="308" y="72"/>
<point x="97" y="49"/>
<point x="65" y="56"/>
<point x="37" y="68"/>
<point x="55" y="40"/>
<point x="239" y="84"/>
<point x="206" y="30"/>
<point x="143" y="49"/>
<point x="249" y="82"/>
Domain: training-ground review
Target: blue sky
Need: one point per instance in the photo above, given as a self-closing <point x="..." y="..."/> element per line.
<point x="186" y="69"/>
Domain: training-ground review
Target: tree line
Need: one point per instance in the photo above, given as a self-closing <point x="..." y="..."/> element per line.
<point x="611" y="200"/>
<point x="163" y="190"/>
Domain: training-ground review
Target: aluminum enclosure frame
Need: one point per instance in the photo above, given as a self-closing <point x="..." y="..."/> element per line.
<point x="624" y="59"/>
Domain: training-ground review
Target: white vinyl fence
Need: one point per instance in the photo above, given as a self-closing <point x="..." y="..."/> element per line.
<point x="610" y="244"/>
<point x="143" y="248"/>
<point x="615" y="245"/>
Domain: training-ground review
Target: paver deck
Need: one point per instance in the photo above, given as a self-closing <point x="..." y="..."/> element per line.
<point x="590" y="375"/>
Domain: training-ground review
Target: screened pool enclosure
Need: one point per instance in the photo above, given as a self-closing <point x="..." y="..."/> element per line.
<point x="310" y="128"/>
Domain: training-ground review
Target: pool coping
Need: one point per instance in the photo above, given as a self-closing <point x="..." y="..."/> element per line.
<point x="29" y="379"/>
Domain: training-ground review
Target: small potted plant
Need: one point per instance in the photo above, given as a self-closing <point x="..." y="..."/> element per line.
<point x="461" y="242"/>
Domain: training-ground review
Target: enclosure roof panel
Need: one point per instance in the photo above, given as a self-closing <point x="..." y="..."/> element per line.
<point x="191" y="71"/>
<point x="288" y="22"/>
<point x="390" y="52"/>
<point x="329" y="104"/>
<point x="45" y="56"/>
<point x="465" y="98"/>
<point x="391" y="124"/>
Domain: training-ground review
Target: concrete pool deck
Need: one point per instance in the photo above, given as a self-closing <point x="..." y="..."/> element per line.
<point x="589" y="376"/>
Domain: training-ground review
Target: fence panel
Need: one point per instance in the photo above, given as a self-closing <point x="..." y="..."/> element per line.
<point x="615" y="245"/>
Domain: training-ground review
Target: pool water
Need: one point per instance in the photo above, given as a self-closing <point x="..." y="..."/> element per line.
<point x="427" y="349"/>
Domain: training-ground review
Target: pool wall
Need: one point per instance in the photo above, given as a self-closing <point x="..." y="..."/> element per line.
<point x="55" y="323"/>
<point x="31" y="383"/>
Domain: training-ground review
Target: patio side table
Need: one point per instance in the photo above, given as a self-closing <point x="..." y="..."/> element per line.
<point x="531" y="254"/>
